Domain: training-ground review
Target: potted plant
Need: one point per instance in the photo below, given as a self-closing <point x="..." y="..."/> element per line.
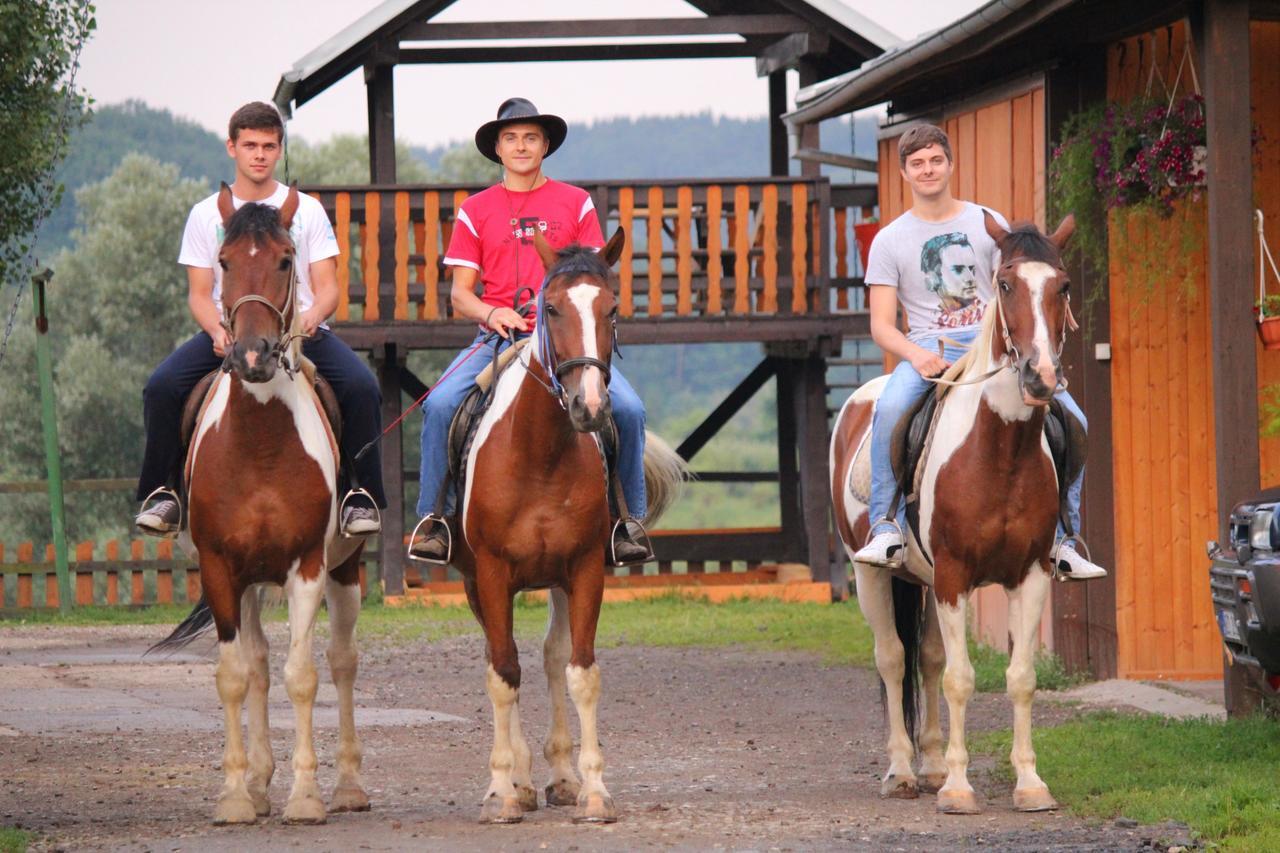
<point x="1267" y="313"/>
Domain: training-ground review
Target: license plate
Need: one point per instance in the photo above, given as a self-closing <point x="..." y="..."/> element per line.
<point x="1230" y="625"/>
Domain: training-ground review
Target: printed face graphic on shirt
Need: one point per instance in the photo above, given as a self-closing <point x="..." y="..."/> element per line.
<point x="949" y="264"/>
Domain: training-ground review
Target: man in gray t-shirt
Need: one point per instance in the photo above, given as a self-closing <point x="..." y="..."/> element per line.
<point x="936" y="260"/>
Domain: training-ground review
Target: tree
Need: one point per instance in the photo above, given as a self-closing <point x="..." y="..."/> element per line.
<point x="39" y="104"/>
<point x="463" y="164"/>
<point x="344" y="159"/>
<point x="116" y="308"/>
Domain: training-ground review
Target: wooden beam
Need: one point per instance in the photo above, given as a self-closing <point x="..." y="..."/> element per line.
<point x="720" y="415"/>
<point x="574" y="53"/>
<point x="1231" y="294"/>
<point x="380" y="93"/>
<point x="808" y="136"/>
<point x="831" y="158"/>
<point x="787" y="52"/>
<point x="777" y="127"/>
<point x="389" y="361"/>
<point x="623" y="27"/>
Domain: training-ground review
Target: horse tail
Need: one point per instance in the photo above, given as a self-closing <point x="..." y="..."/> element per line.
<point x="664" y="476"/>
<point x="197" y="623"/>
<point x="908" y="619"/>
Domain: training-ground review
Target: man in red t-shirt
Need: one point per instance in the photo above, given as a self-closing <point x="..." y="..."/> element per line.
<point x="492" y="245"/>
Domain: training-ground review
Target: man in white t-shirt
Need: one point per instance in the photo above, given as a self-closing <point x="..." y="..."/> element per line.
<point x="254" y="140"/>
<point x="936" y="260"/>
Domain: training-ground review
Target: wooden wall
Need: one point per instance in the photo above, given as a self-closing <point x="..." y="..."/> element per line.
<point x="1008" y="176"/>
<point x="1162" y="383"/>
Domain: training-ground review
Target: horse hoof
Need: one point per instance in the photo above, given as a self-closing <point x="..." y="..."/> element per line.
<point x="1034" y="800"/>
<point x="596" y="808"/>
<point x="898" y="788"/>
<point x="497" y="809"/>
<point x="958" y="802"/>
<point x="528" y="797"/>
<point x="563" y="792"/>
<point x="349" y="798"/>
<point x="261" y="804"/>
<point x="931" y="783"/>
<point x="304" y="810"/>
<point x="234" y="810"/>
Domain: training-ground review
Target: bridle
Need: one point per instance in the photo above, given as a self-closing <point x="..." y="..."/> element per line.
<point x="556" y="369"/>
<point x="284" y="319"/>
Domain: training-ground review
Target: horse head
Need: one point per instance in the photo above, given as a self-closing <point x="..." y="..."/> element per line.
<point x="577" y="315"/>
<point x="1033" y="306"/>
<point x="259" y="283"/>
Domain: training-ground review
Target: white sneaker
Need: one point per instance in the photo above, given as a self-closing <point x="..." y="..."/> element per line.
<point x="884" y="549"/>
<point x="1074" y="566"/>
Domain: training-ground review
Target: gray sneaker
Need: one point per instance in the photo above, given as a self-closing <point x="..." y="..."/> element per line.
<point x="360" y="520"/>
<point x="161" y="517"/>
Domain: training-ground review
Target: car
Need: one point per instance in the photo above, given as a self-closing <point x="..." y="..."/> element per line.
<point x="1244" y="578"/>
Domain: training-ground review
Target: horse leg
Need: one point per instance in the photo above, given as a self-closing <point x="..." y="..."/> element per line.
<point x="875" y="599"/>
<point x="344" y="607"/>
<point x="502" y="679"/>
<point x="956" y="796"/>
<point x="583" y="674"/>
<point x="563" y="788"/>
<point x="232" y="680"/>
<point x="304" y="805"/>
<point x="933" y="657"/>
<point x="1026" y="603"/>
<point x="253" y="646"/>
<point x="522" y="763"/>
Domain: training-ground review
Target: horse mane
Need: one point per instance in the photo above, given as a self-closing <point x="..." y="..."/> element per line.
<point x="1024" y="240"/>
<point x="257" y="221"/>
<point x="577" y="258"/>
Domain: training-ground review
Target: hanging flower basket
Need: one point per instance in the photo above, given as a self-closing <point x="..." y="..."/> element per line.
<point x="1269" y="332"/>
<point x="863" y="234"/>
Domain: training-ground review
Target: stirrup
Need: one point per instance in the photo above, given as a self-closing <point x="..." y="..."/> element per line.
<point x="165" y="491"/>
<point x="642" y="540"/>
<point x="1058" y="574"/>
<point x="448" y="540"/>
<point x="342" y="508"/>
<point x="890" y="562"/>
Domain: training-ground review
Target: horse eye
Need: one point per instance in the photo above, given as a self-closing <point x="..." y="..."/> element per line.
<point x="1004" y="286"/>
<point x="551" y="311"/>
<point x="285" y="262"/>
<point x="222" y="263"/>
<point x="1066" y="288"/>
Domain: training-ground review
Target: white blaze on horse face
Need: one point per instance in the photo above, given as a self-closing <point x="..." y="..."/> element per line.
<point x="1037" y="274"/>
<point x="583" y="296"/>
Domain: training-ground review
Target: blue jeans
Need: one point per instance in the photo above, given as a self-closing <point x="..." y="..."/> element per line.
<point x="900" y="394"/>
<point x="448" y="394"/>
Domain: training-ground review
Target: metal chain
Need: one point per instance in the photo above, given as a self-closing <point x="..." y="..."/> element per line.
<point x="46" y="188"/>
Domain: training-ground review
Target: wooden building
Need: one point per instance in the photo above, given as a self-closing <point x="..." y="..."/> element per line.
<point x="1169" y="376"/>
<point x="756" y="259"/>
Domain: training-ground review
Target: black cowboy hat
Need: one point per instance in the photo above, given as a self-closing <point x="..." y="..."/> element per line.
<point x="515" y="110"/>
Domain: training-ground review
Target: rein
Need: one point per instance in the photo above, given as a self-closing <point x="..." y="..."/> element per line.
<point x="284" y="318"/>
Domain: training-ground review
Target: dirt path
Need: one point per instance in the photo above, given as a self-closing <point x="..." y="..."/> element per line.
<point x="723" y="749"/>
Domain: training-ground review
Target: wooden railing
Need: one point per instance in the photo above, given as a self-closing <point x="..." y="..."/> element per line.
<point x="741" y="247"/>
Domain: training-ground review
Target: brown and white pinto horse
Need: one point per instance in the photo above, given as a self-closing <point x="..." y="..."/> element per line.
<point x="535" y="515"/>
<point x="262" y="474"/>
<point x="987" y="508"/>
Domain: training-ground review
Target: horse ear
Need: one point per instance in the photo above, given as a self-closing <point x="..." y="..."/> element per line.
<point x="226" y="206"/>
<point x="1060" y="237"/>
<point x="613" y="249"/>
<point x="994" y="228"/>
<point x="290" y="206"/>
<point x="545" y="252"/>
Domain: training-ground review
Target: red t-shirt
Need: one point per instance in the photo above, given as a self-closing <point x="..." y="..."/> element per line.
<point x="494" y="235"/>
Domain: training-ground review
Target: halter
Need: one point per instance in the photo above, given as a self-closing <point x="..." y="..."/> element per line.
<point x="284" y="318"/>
<point x="556" y="368"/>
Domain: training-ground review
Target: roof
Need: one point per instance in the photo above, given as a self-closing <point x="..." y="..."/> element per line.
<point x="854" y="38"/>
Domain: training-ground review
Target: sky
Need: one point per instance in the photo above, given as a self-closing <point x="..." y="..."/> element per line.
<point x="201" y="60"/>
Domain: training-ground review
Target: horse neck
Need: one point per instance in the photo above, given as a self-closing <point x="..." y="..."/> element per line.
<point x="541" y="425"/>
<point x="1014" y="421"/>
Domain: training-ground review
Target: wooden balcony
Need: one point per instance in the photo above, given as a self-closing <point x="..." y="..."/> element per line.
<point x="728" y="260"/>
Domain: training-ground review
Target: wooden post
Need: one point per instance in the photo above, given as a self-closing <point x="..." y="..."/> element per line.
<point x="1084" y="615"/>
<point x="778" y="165"/>
<point x="795" y="542"/>
<point x="380" y="92"/>
<point x="52" y="455"/>
<point x="809" y="132"/>
<point x="388" y="360"/>
<point x="1231" y="284"/>
<point x="815" y="474"/>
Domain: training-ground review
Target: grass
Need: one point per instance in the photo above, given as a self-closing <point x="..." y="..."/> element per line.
<point x="13" y="840"/>
<point x="1219" y="778"/>
<point x="836" y="633"/>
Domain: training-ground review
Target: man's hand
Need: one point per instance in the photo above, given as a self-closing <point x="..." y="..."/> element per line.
<point x="221" y="341"/>
<point x="928" y="364"/>
<point x="309" y="321"/>
<point x="503" y="320"/>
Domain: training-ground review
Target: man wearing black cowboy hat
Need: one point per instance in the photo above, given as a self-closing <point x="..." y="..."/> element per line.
<point x="492" y="244"/>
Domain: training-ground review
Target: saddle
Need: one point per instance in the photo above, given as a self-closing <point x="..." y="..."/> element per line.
<point x="911" y="436"/>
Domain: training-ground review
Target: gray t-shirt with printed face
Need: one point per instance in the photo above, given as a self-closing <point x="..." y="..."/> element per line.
<point x="942" y="269"/>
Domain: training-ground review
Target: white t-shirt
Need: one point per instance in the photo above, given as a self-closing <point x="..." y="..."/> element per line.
<point x="942" y="269"/>
<point x="312" y="235"/>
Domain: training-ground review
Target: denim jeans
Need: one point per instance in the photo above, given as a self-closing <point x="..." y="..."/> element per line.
<point x="448" y="394"/>
<point x="903" y="390"/>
